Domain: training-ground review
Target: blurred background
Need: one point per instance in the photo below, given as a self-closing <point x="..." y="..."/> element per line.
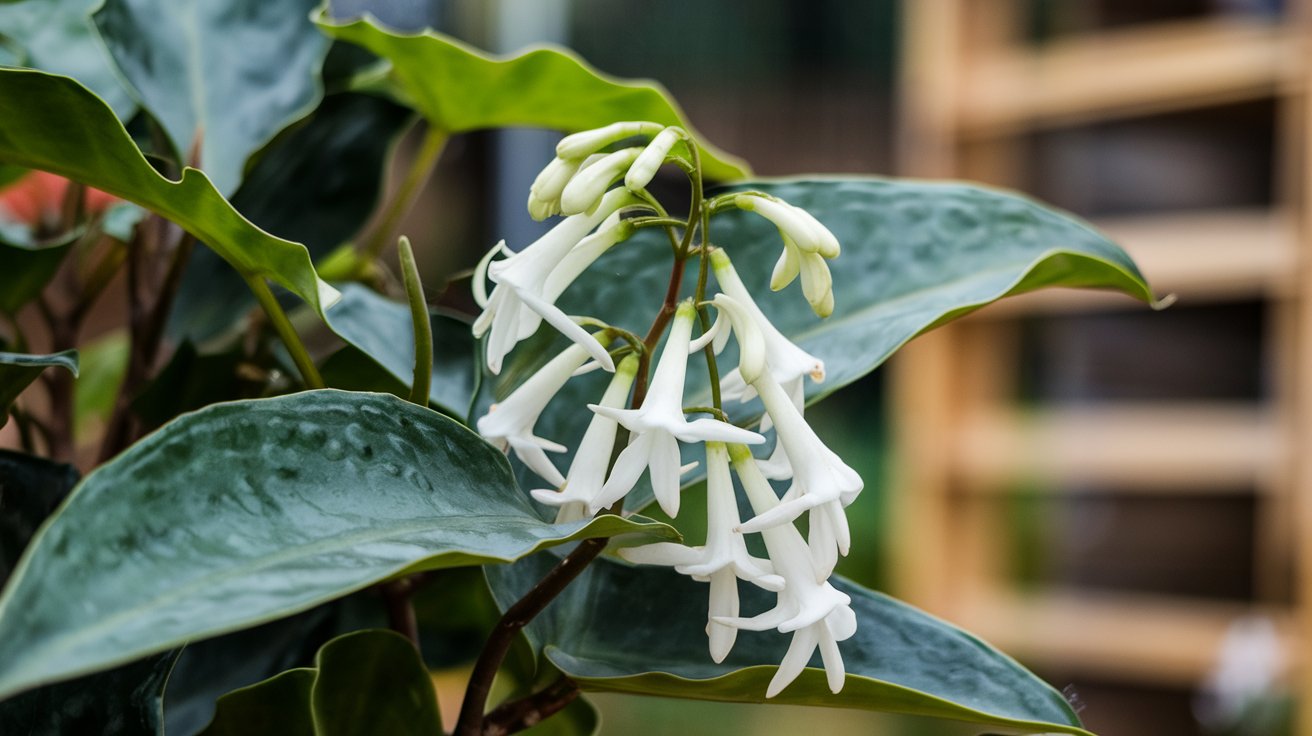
<point x="1115" y="496"/>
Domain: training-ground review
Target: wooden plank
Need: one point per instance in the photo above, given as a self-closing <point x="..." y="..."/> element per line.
<point x="1135" y="71"/>
<point x="1215" y="255"/>
<point x="1187" y="448"/>
<point x="1128" y="637"/>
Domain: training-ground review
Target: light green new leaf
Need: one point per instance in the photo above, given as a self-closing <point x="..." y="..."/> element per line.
<point x="363" y="683"/>
<point x="915" y="255"/>
<point x="642" y="630"/>
<point x="17" y="370"/>
<point x="229" y="73"/>
<point x="58" y="36"/>
<point x="54" y="124"/>
<point x="249" y="511"/>
<point x="459" y="88"/>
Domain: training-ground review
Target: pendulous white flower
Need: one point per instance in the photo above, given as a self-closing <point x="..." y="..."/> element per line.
<point x="721" y="561"/>
<point x="509" y="424"/>
<point x="644" y="168"/>
<point x="795" y="223"/>
<point x="582" y="144"/>
<point x="518" y="303"/>
<point x="818" y="614"/>
<point x="587" y="473"/>
<point x="585" y="190"/>
<point x="659" y="425"/>
<point x="822" y="483"/>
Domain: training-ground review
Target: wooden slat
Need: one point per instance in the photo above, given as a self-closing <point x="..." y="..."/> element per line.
<point x="1141" y="70"/>
<point x="1191" y="448"/>
<point x="1202" y="256"/>
<point x="1154" y="639"/>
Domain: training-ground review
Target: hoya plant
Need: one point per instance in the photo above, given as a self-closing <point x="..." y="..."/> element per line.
<point x="308" y="489"/>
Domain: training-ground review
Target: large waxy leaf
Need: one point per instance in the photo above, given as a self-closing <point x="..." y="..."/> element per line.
<point x="459" y="88"/>
<point x="250" y="511"/>
<point x="384" y="330"/>
<point x="642" y="630"/>
<point x="915" y="255"/>
<point x="54" y="124"/>
<point x="58" y="36"/>
<point x="363" y="683"/>
<point x="227" y="73"/>
<point x="125" y="701"/>
<point x="316" y="184"/>
<point x="17" y="370"/>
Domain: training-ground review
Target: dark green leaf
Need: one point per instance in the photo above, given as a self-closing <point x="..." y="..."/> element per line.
<point x="27" y="270"/>
<point x="363" y="683"/>
<point x="229" y="73"/>
<point x="459" y="88"/>
<point x="384" y="330"/>
<point x="642" y="630"/>
<point x="915" y="255"/>
<point x="11" y="174"/>
<point x="58" y="36"/>
<point x="54" y="124"/>
<point x="17" y="370"/>
<point x="250" y="511"/>
<point x="31" y="488"/>
<point x="126" y="701"/>
<point x="316" y="183"/>
<point x="189" y="381"/>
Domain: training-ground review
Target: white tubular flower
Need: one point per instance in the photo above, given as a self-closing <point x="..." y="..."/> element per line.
<point x="659" y="425"/>
<point x="544" y="194"/>
<point x="822" y="482"/>
<point x="577" y="260"/>
<point x="644" y="168"/>
<point x="509" y="424"/>
<point x="721" y="561"/>
<point x="817" y="613"/>
<point x="788" y="363"/>
<point x="794" y="223"/>
<point x="519" y="303"/>
<point x="577" y="497"/>
<point x="585" y="190"/>
<point x="751" y="342"/>
<point x="580" y="145"/>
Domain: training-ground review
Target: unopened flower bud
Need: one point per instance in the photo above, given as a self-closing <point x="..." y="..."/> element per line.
<point x="544" y="194"/>
<point x="579" y="145"/>
<point x="793" y="222"/>
<point x="585" y="190"/>
<point x="650" y="160"/>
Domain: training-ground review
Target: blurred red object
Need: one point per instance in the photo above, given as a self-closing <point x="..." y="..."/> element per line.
<point x="37" y="198"/>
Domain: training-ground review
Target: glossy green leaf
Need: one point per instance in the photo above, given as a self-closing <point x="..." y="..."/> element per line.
<point x="227" y="73"/>
<point x="384" y="330"/>
<point x="915" y="255"/>
<point x="58" y="36"/>
<point x="125" y="701"/>
<point x="17" y="370"/>
<point x="363" y="683"/>
<point x="642" y="630"/>
<point x="459" y="88"/>
<point x="54" y="124"/>
<point x="249" y="511"/>
<point x="27" y="270"/>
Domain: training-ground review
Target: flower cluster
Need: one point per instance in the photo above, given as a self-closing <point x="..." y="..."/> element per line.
<point x="645" y="395"/>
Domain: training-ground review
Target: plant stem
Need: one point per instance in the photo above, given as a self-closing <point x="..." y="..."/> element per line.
<point x="529" y="711"/>
<point x="703" y="266"/>
<point x="283" y="326"/>
<point x="515" y="619"/>
<point x="404" y="198"/>
<point x="400" y="609"/>
<point x="414" y="291"/>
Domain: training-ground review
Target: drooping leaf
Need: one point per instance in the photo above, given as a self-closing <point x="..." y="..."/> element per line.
<point x="384" y="330"/>
<point x="642" y="630"/>
<point x="125" y="701"/>
<point x="58" y="36"/>
<point x="227" y="73"/>
<point x="54" y="124"/>
<point x="17" y="370"/>
<point x="915" y="255"/>
<point x="459" y="88"/>
<point x="363" y="683"/>
<point x="316" y="183"/>
<point x="249" y="511"/>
